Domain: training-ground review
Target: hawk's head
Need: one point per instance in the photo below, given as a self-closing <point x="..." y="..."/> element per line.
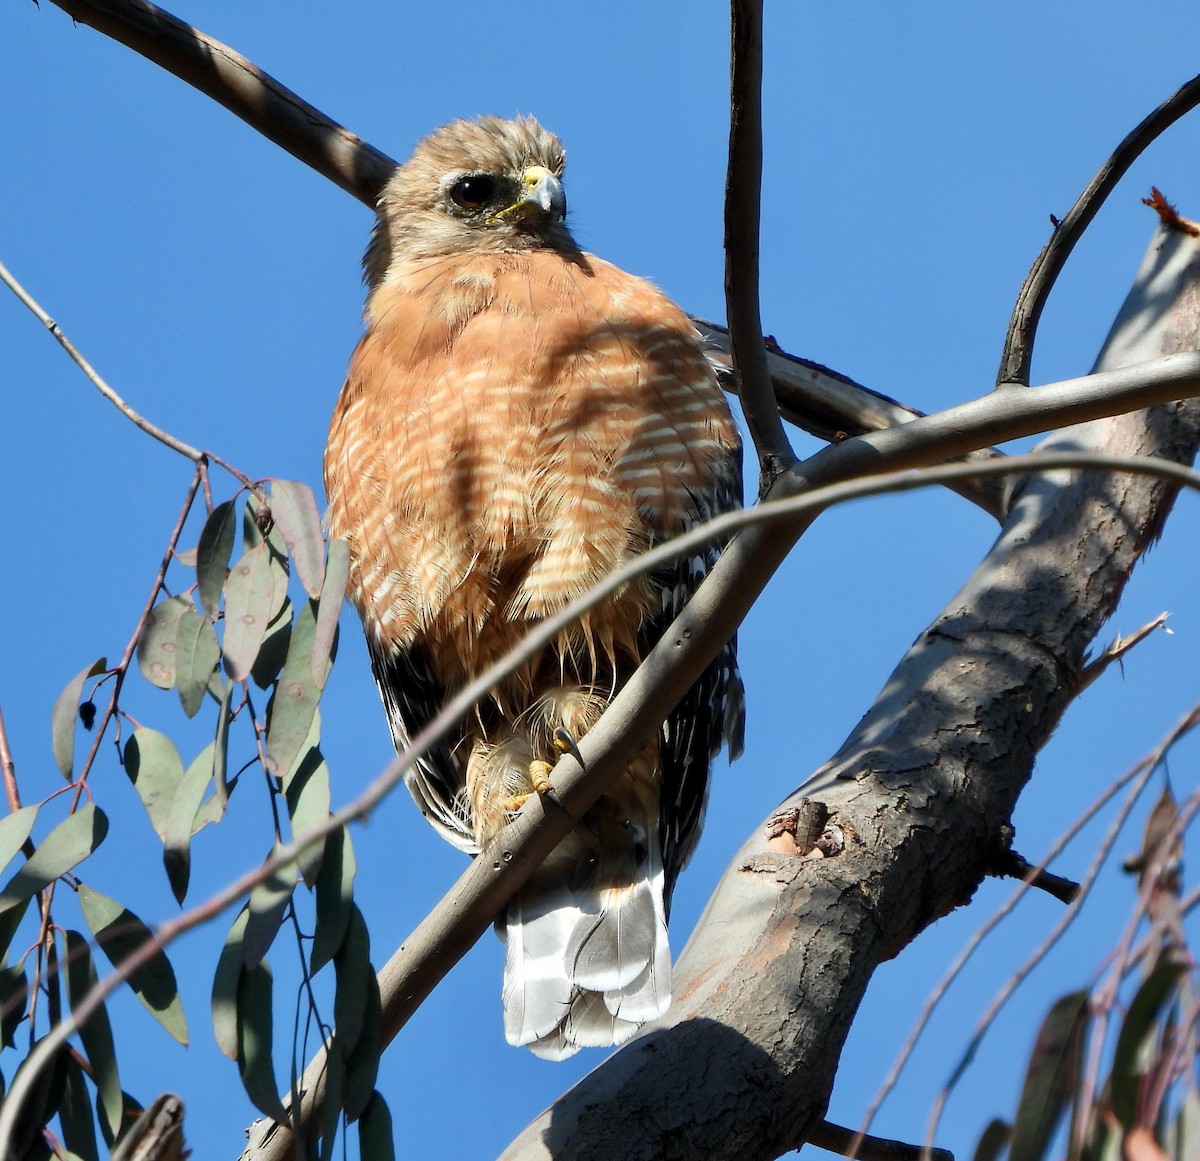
<point x="472" y="186"/>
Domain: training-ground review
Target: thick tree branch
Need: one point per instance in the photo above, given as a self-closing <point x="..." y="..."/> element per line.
<point x="712" y="616"/>
<point x="244" y="89"/>
<point x="769" y="984"/>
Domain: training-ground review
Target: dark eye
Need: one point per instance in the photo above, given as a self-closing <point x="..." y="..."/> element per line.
<point x="474" y="192"/>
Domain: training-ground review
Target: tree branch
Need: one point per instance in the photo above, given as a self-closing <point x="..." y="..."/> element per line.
<point x="743" y="198"/>
<point x="742" y="1064"/>
<point x="1022" y="326"/>
<point x="244" y="89"/>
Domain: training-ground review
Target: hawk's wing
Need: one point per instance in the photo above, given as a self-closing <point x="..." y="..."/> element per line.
<point x="412" y="697"/>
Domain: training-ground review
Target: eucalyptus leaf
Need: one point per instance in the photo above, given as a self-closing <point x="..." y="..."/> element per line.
<point x="75" y="1115"/>
<point x="199" y="654"/>
<point x="14" y="992"/>
<point x="254" y="1018"/>
<point x="352" y="969"/>
<point x="158" y="646"/>
<point x="362" y="1062"/>
<point x="272" y="653"/>
<point x="296" y="696"/>
<point x="63" y="715"/>
<point x="294" y="510"/>
<point x="212" y="555"/>
<point x="1133" y="1053"/>
<point x="120" y="933"/>
<point x="249" y="605"/>
<point x="225" y="987"/>
<point x="306" y="790"/>
<point x="268" y="905"/>
<point x="156" y="771"/>
<point x="66" y="846"/>
<point x="180" y="822"/>
<point x="329" y="608"/>
<point x="335" y="898"/>
<point x="15" y="828"/>
<point x="95" y="1032"/>
<point x="376" y="1141"/>
<point x="1050" y="1078"/>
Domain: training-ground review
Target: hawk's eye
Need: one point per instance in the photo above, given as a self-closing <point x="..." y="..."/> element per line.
<point x="474" y="192"/>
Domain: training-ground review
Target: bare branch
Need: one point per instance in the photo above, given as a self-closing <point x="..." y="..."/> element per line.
<point x="244" y="89"/>
<point x="837" y="1139"/>
<point x="833" y="407"/>
<point x="8" y="770"/>
<point x="743" y="197"/>
<point x="1117" y="649"/>
<point x="465" y="913"/>
<point x="164" y="437"/>
<point x="1022" y="327"/>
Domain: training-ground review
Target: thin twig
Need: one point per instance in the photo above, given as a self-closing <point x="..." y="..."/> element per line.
<point x="1022" y="327"/>
<point x="1116" y="650"/>
<point x="1012" y="865"/>
<point x="743" y="205"/>
<point x="9" y="770"/>
<point x="94" y="377"/>
<point x="837" y="1139"/>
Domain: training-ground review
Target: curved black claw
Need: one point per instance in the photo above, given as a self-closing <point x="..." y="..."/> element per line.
<point x="565" y="744"/>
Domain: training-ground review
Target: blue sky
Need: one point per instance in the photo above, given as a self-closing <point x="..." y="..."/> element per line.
<point x="911" y="165"/>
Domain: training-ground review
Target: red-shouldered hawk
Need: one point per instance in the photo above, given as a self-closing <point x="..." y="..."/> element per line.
<point x="520" y="419"/>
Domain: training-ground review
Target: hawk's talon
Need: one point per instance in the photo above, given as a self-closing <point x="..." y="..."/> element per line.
<point x="565" y="744"/>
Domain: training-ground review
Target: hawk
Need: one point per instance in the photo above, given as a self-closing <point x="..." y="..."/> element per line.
<point x="519" y="419"/>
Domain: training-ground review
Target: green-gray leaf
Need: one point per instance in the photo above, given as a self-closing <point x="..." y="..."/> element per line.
<point x="120" y="933"/>
<point x="14" y="830"/>
<point x="296" y="696"/>
<point x="375" y="1139"/>
<point x="66" y="846"/>
<point x="180" y="820"/>
<point x="352" y="968"/>
<point x="294" y="510"/>
<point x="362" y="1063"/>
<point x="329" y="607"/>
<point x="272" y="653"/>
<point x="14" y="990"/>
<point x="198" y="657"/>
<point x="1138" y="1034"/>
<point x="96" y="1033"/>
<point x="306" y="790"/>
<point x="268" y="904"/>
<point x="158" y="645"/>
<point x="249" y="606"/>
<point x="335" y="898"/>
<point x="225" y="987"/>
<point x="156" y="770"/>
<point x="254" y="1016"/>
<point x="62" y="717"/>
<point x="75" y="1115"/>
<point x="1050" y="1078"/>
<point x="212" y="555"/>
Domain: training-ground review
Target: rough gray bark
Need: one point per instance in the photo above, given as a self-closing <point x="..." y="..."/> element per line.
<point x="743" y="1064"/>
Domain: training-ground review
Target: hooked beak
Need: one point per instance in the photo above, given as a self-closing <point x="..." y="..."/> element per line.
<point x="542" y="196"/>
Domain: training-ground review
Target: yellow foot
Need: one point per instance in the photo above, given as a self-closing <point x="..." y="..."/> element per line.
<point x="539" y="775"/>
